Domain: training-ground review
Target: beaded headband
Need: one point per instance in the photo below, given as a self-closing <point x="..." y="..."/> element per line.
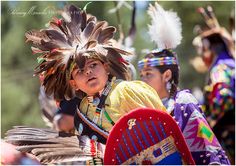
<point x="157" y="62"/>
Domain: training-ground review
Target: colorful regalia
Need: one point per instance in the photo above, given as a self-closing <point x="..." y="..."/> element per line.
<point x="200" y="139"/>
<point x="220" y="100"/>
<point x="217" y="44"/>
<point x="183" y="107"/>
<point x="123" y="97"/>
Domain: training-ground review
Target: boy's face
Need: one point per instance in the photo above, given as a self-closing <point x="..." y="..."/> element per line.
<point x="153" y="77"/>
<point x="92" y="78"/>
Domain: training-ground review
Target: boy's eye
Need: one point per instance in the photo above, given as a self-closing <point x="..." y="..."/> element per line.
<point x="80" y="70"/>
<point x="93" y="65"/>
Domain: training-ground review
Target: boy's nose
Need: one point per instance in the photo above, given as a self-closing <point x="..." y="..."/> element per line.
<point x="88" y="71"/>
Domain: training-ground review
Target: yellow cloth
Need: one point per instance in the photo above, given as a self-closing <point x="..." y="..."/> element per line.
<point x="122" y="98"/>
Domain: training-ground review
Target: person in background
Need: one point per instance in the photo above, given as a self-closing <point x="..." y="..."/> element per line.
<point x="58" y="115"/>
<point x="64" y="117"/>
<point x="216" y="48"/>
<point x="160" y="69"/>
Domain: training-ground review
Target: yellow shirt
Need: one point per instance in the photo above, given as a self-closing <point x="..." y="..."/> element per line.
<point x="123" y="97"/>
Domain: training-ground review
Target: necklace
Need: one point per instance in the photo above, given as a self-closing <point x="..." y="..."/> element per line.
<point x="99" y="102"/>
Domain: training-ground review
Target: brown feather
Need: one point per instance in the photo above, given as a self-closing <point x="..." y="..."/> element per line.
<point x="44" y="66"/>
<point x="77" y="20"/>
<point x="36" y="36"/>
<point x="84" y="20"/>
<point x="49" y="84"/>
<point x="106" y="34"/>
<point x="56" y="36"/>
<point x="95" y="33"/>
<point x="88" y="29"/>
<point x="75" y="14"/>
<point x="90" y="44"/>
<point x="123" y="52"/>
<point x="97" y="29"/>
<point x="72" y="12"/>
<point x="91" y="18"/>
<point x="45" y="45"/>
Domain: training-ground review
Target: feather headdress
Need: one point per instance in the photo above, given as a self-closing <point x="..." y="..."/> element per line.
<point x="66" y="43"/>
<point x="165" y="29"/>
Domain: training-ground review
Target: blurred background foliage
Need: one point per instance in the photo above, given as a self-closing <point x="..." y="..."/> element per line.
<point x="19" y="97"/>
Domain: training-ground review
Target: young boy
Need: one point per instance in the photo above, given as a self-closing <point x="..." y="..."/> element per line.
<point x="78" y="59"/>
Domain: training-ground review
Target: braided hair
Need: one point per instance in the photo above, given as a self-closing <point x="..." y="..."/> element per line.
<point x="162" y="68"/>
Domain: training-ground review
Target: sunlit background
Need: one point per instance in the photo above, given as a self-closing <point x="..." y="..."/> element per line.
<point x="19" y="97"/>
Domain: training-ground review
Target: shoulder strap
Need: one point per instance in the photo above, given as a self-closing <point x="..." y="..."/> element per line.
<point x="86" y="127"/>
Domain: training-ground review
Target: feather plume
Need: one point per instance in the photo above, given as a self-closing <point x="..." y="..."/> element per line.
<point x="50" y="146"/>
<point x="165" y="29"/>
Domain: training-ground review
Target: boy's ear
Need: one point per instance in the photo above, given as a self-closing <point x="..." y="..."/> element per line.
<point x="106" y="66"/>
<point x="167" y="75"/>
<point x="73" y="84"/>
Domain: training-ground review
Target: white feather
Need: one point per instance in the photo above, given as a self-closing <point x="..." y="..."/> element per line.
<point x="66" y="16"/>
<point x="66" y="56"/>
<point x="100" y="50"/>
<point x="165" y="29"/>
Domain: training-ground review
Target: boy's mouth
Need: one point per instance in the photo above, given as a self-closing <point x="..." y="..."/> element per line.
<point x="91" y="79"/>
